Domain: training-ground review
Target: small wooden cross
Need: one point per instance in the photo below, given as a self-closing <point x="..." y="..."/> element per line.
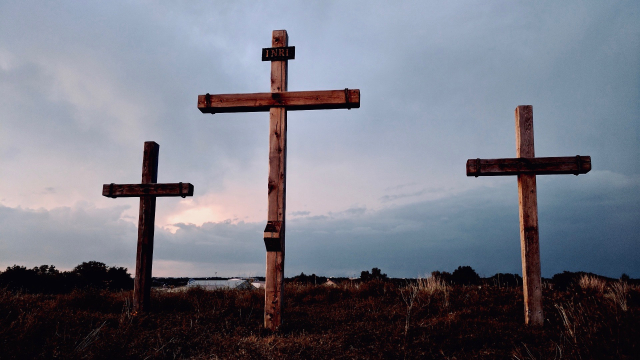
<point x="148" y="190"/>
<point x="277" y="103"/>
<point x="526" y="166"/>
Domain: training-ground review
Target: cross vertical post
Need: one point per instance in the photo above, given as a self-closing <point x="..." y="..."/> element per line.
<point x="148" y="190"/>
<point x="274" y="278"/>
<point x="526" y="166"/>
<point x="146" y="224"/>
<point x="528" y="209"/>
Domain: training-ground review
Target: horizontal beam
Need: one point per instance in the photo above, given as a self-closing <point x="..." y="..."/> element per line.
<point x="137" y="190"/>
<point x="533" y="166"/>
<point x="291" y="100"/>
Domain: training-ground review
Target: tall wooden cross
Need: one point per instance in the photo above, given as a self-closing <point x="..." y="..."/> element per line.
<point x="526" y="166"/>
<point x="148" y="190"/>
<point x="277" y="103"/>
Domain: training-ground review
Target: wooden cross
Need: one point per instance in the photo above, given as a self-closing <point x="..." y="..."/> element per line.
<point x="277" y="102"/>
<point x="148" y="190"/>
<point x="526" y="166"/>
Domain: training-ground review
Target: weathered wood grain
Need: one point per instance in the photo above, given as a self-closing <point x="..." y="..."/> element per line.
<point x="530" y="249"/>
<point x="294" y="100"/>
<point x="274" y="279"/>
<point x="157" y="190"/>
<point x="528" y="210"/>
<point x="532" y="166"/>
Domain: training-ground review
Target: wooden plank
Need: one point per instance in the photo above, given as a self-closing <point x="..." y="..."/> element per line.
<point x="146" y="225"/>
<point x="524" y="132"/>
<point x="274" y="277"/>
<point x="279" y="53"/>
<point x="294" y="100"/>
<point x="136" y="190"/>
<point x="530" y="249"/>
<point x="533" y="166"/>
<point x="528" y="210"/>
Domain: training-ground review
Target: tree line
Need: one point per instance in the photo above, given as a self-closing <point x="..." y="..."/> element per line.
<point x="46" y="279"/>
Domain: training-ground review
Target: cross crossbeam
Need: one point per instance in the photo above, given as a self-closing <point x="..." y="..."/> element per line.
<point x="526" y="166"/>
<point x="148" y="190"/>
<point x="137" y="190"/>
<point x="277" y="103"/>
<point x="535" y="166"/>
<point x="291" y="100"/>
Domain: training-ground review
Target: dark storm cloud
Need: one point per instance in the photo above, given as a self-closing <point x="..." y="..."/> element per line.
<point x="585" y="223"/>
<point x="66" y="236"/>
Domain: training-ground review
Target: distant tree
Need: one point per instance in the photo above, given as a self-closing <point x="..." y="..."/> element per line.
<point x="505" y="280"/>
<point x="465" y="275"/>
<point x="49" y="280"/>
<point x="46" y="270"/>
<point x="365" y="275"/>
<point x="309" y="279"/>
<point x="375" y="274"/>
<point x="19" y="277"/>
<point x="98" y="275"/>
<point x="119" y="279"/>
<point x="90" y="274"/>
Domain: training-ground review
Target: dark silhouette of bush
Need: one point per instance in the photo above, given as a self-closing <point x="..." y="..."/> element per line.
<point x="98" y="275"/>
<point x="505" y="280"/>
<point x="19" y="278"/>
<point x="41" y="279"/>
<point x="375" y="274"/>
<point x="465" y="275"/>
<point x="309" y="279"/>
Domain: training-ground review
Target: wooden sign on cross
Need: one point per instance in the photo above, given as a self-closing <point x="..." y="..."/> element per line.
<point x="148" y="190"/>
<point x="526" y="166"/>
<point x="277" y="102"/>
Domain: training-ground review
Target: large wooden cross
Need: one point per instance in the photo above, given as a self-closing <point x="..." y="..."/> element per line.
<point x="277" y="103"/>
<point x="148" y="190"/>
<point x="526" y="166"/>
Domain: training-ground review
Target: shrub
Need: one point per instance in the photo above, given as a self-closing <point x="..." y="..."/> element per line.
<point x="465" y="275"/>
<point x="505" y="280"/>
<point x="376" y="274"/>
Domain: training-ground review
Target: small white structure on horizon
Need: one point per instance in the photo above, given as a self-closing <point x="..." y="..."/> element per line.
<point x="240" y="284"/>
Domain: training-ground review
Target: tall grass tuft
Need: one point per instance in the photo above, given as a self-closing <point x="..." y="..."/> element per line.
<point x="619" y="292"/>
<point x="432" y="285"/>
<point x="590" y="282"/>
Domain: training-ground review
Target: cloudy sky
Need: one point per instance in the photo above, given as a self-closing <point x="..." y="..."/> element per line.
<point x="84" y="84"/>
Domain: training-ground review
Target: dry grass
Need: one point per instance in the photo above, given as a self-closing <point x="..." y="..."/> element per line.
<point x="431" y="285"/>
<point x="619" y="293"/>
<point x="373" y="320"/>
<point x="590" y="282"/>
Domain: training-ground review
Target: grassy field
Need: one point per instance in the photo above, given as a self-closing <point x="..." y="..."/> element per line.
<point x="372" y="320"/>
